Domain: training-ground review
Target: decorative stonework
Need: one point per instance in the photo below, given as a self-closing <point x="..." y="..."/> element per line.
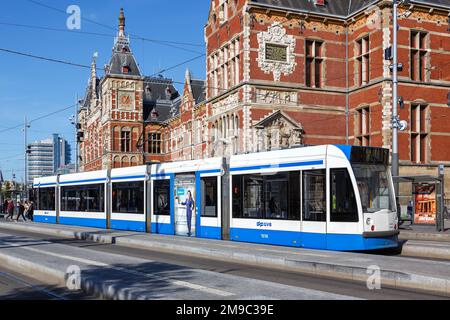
<point x="223" y="106"/>
<point x="278" y="131"/>
<point x="276" y="36"/>
<point x="425" y="16"/>
<point x="300" y="24"/>
<point x="276" y="97"/>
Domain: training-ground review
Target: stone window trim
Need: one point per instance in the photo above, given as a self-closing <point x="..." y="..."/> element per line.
<point x="362" y="119"/>
<point x="362" y="59"/>
<point x="224" y="67"/>
<point x="154" y="143"/>
<point x="125" y="139"/>
<point x="419" y="55"/>
<point x="314" y="62"/>
<point x="420" y="128"/>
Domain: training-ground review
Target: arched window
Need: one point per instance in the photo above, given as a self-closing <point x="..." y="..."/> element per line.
<point x="125" y="162"/>
<point x="236" y="134"/>
<point x="134" y="137"/>
<point x="116" y="162"/>
<point x="133" y="162"/>
<point x="125" y="140"/>
<point x="116" y="139"/>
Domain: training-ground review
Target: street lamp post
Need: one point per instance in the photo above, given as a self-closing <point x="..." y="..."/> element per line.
<point x="395" y="159"/>
<point x="74" y="121"/>
<point x="25" y="138"/>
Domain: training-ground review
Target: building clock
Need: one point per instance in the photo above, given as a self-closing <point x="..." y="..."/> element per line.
<point x="126" y="100"/>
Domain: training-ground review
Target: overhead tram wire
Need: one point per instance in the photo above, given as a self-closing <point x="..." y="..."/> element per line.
<point x="98" y="34"/>
<point x="170" y="44"/>
<point x="161" y="71"/>
<point x="132" y="35"/>
<point x="44" y="58"/>
<point x="39" y="118"/>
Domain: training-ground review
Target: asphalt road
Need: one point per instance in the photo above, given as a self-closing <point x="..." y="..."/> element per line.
<point x="15" y="286"/>
<point x="326" y="285"/>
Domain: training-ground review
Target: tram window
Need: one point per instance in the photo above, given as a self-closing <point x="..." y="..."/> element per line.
<point x="209" y="194"/>
<point x="253" y="197"/>
<point x="237" y="197"/>
<point x="343" y="200"/>
<point x="88" y="198"/>
<point x="274" y="197"/>
<point x="314" y="195"/>
<point x="161" y="197"/>
<point x="46" y="199"/>
<point x="128" y="197"/>
<point x="294" y="195"/>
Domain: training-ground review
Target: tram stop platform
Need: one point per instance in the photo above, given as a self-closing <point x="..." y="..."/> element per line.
<point x="395" y="270"/>
<point x="410" y="231"/>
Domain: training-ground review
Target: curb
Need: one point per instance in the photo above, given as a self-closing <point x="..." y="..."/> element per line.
<point x="408" y="235"/>
<point x="425" y="252"/>
<point x="395" y="279"/>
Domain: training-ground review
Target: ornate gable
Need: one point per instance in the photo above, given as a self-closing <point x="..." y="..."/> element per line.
<point x="278" y="131"/>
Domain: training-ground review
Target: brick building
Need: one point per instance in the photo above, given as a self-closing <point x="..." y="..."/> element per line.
<point x="314" y="72"/>
<point x="282" y="73"/>
<point x="116" y="107"/>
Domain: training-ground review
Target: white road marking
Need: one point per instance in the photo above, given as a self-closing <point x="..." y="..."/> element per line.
<point x="103" y="265"/>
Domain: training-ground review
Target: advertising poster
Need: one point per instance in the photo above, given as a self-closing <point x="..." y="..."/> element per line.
<point x="425" y="204"/>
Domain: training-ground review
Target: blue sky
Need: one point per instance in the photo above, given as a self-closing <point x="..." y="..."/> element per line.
<point x="33" y="88"/>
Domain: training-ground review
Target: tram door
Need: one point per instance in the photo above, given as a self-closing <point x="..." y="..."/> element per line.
<point x="183" y="216"/>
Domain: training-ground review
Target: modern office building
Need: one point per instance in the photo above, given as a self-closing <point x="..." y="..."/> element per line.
<point x="46" y="157"/>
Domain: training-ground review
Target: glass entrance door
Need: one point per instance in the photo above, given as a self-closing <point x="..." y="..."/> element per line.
<point x="185" y="214"/>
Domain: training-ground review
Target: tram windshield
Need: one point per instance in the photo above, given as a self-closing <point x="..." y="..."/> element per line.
<point x="375" y="187"/>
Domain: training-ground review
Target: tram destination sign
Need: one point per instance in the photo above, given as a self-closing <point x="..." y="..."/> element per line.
<point x="365" y="155"/>
<point x="276" y="52"/>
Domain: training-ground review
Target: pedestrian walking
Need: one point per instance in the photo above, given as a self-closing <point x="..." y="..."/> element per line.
<point x="5" y="206"/>
<point x="26" y="205"/>
<point x="21" y="209"/>
<point x="10" y="209"/>
<point x="30" y="211"/>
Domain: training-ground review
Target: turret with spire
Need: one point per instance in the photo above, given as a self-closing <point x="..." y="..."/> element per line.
<point x="122" y="61"/>
<point x="94" y="80"/>
<point x="121" y="23"/>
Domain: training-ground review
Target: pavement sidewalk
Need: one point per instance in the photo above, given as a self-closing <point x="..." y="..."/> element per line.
<point x="395" y="271"/>
<point x="424" y="232"/>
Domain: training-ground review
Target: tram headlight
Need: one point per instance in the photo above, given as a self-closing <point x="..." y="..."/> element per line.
<point x="369" y="221"/>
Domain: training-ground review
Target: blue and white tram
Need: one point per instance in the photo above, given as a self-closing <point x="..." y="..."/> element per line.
<point x="170" y="185"/>
<point x="323" y="197"/>
<point x="83" y="199"/>
<point x="128" y="205"/>
<point x="45" y="191"/>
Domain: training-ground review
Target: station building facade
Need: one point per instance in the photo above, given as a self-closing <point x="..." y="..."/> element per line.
<point x="281" y="74"/>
